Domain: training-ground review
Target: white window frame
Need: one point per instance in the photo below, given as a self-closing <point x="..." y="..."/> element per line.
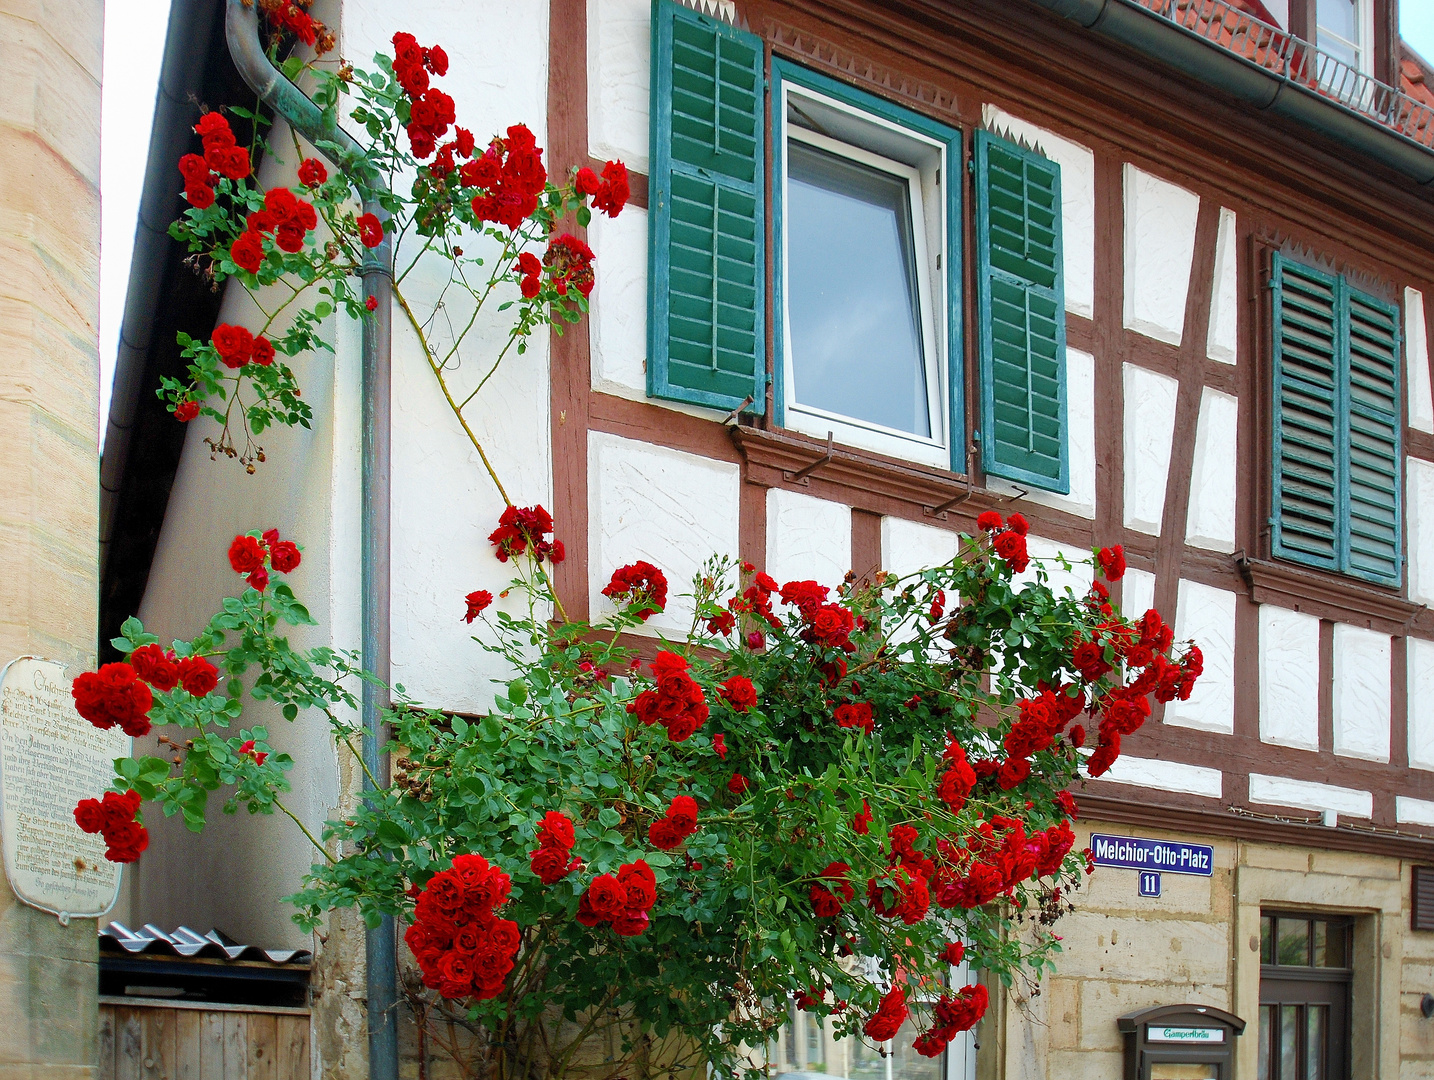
<point x="929" y="241"/>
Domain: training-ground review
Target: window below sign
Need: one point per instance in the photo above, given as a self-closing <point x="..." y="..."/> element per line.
<point x="862" y="269"/>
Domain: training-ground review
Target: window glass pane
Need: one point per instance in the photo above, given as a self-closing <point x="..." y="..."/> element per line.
<point x="816" y="1044"/>
<point x="1336" y="952"/>
<point x="861" y="1062"/>
<point x="1267" y="940"/>
<point x="1266" y="1034"/>
<point x="1340" y="17"/>
<point x="906" y="1063"/>
<point x="852" y="301"/>
<point x="1289" y="1041"/>
<point x="1338" y="32"/>
<point x="1294" y="942"/>
<point x="1316" y="1024"/>
<point x="1321" y="941"/>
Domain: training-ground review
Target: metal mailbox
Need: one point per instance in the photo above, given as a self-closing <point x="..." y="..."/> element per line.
<point x="1159" y="1040"/>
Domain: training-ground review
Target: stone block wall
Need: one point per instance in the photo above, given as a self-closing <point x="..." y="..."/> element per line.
<point x="49" y="497"/>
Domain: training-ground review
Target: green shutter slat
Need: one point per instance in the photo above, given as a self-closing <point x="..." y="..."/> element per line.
<point x="706" y="337"/>
<point x="1374" y="444"/>
<point x="1020" y="289"/>
<point x="1336" y="432"/>
<point x="1308" y="484"/>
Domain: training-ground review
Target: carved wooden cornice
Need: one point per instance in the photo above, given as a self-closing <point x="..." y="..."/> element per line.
<point x="1329" y="596"/>
<point x="806" y="46"/>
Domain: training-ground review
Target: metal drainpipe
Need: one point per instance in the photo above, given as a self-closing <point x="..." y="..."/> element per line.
<point x="241" y="26"/>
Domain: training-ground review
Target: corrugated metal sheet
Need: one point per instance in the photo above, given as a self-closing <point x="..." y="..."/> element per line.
<point x="150" y="940"/>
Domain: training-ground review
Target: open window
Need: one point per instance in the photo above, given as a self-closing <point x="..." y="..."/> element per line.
<point x="866" y="228"/>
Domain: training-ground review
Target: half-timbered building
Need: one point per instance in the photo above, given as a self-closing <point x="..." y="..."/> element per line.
<point x="1151" y="272"/>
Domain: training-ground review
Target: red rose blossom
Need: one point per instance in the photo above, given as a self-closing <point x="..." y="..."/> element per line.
<point x="246" y="554"/>
<point x="312" y="172"/>
<point x="370" y="230"/>
<point x="1112" y="562"/>
<point x="247" y="252"/>
<point x="198" y="676"/>
<point x="888" y="1018"/>
<point x="114" y="695"/>
<point x="155" y="666"/>
<point x="738" y="692"/>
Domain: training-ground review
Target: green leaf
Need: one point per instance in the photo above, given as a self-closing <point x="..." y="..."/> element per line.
<point x="609" y="818"/>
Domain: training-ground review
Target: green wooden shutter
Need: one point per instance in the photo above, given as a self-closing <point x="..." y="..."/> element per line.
<point x="1022" y="330"/>
<point x="706" y="336"/>
<point x="1373" y="439"/>
<point x="1308" y="485"/>
<point x="1336" y="426"/>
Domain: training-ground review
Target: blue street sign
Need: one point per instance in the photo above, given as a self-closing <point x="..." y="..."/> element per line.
<point x="1138" y="853"/>
<point x="1149" y="883"/>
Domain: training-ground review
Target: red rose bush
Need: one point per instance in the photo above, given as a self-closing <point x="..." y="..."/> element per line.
<point x="650" y="834"/>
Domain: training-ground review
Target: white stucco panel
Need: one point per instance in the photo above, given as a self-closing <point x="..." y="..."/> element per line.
<point x="617" y="321"/>
<point x="1137" y="595"/>
<point x="1077" y="203"/>
<point x="1166" y="776"/>
<point x="1159" y="247"/>
<point x="1289" y="678"/>
<point x="1223" y="341"/>
<point x="1421" y="703"/>
<point x="672" y="509"/>
<point x="1413" y="811"/>
<point x="1210" y="521"/>
<point x="1207" y="615"/>
<point x="1047" y="555"/>
<point x="1307" y="795"/>
<point x="619" y="67"/>
<point x="1416" y="348"/>
<point x="807" y="538"/>
<point x="1361" y="692"/>
<point x="1080" y="419"/>
<point x="1419" y="509"/>
<point x="909" y="546"/>
<point x="1149" y="429"/>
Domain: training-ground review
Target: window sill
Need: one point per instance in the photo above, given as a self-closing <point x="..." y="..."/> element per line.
<point x="1328" y="595"/>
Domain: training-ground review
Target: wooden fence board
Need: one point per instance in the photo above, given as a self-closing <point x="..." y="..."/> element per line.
<point x="263" y="1047"/>
<point x="293" y="1034"/>
<point x="157" y="1032"/>
<point x="236" y="1046"/>
<point x="184" y="1041"/>
<point x="211" y="1045"/>
<point x="188" y="1034"/>
<point x="107" y="1044"/>
<point x="129" y="1044"/>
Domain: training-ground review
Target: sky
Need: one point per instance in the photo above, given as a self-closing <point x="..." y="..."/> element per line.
<point x="134" y="46"/>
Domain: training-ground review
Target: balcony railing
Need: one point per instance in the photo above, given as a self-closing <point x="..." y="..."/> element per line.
<point x="1299" y="63"/>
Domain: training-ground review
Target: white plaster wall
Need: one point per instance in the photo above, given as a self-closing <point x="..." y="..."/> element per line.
<point x="1166" y="776"/>
<point x="1077" y="203"/>
<point x="1361" y="692"/>
<point x="641" y="506"/>
<point x="1307" y="795"/>
<point x="1413" y="811"/>
<point x="1207" y="615"/>
<point x="1149" y="430"/>
<point x="619" y="68"/>
<point x="235" y="873"/>
<point x="1223" y="341"/>
<point x="1421" y="703"/>
<point x="1137" y="593"/>
<point x="1416" y="348"/>
<point x="444" y="504"/>
<point x="808" y="538"/>
<point x="1210" y="521"/>
<point x="618" y="314"/>
<point x="1419" y="510"/>
<point x="1159" y="246"/>
<point x="1289" y="678"/>
<point x="1047" y="554"/>
<point x="1080" y="418"/>
<point x="909" y="546"/>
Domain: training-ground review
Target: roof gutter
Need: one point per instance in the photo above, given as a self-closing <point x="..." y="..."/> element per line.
<point x="185" y="47"/>
<point x="1152" y="35"/>
<point x="241" y="25"/>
